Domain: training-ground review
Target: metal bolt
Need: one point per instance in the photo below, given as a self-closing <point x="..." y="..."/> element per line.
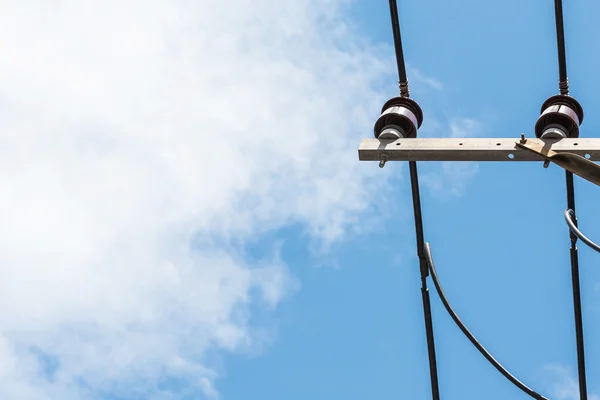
<point x="383" y="160"/>
<point x="546" y="163"/>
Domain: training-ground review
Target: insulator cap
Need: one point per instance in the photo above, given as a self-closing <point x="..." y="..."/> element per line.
<point x="562" y="113"/>
<point x="402" y="114"/>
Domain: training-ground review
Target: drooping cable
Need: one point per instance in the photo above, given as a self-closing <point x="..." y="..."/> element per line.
<point x="404" y="92"/>
<point x="569" y="217"/>
<point x="469" y="335"/>
<point x="575" y="280"/>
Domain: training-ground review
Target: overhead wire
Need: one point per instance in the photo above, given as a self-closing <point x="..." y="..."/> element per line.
<point x="563" y="81"/>
<point x="402" y="79"/>
<point x="563" y="85"/>
<point x="414" y="179"/>
<point x="575" y="282"/>
<point x="435" y="391"/>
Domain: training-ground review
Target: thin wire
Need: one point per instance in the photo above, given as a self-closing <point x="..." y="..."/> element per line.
<point x="576" y="290"/>
<point x="563" y="82"/>
<point x="414" y="181"/>
<point x="403" y="80"/>
<point x="569" y="215"/>
<point x="468" y="333"/>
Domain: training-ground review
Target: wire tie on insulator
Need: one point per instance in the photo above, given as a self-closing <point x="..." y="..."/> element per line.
<point x="404" y="92"/>
<point x="563" y="86"/>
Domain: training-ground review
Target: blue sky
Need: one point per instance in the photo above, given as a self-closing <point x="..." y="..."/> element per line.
<point x="500" y="246"/>
<point x="184" y="214"/>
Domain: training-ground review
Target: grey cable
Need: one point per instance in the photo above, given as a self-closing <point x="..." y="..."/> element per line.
<point x="569" y="215"/>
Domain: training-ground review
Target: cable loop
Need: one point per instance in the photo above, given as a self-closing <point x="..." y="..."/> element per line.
<point x="469" y="335"/>
<point x="572" y="222"/>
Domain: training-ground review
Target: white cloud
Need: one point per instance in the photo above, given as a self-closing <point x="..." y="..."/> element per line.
<point x="425" y="80"/>
<point x="464" y="127"/>
<point x="129" y="128"/>
<point x="452" y="178"/>
<point x="564" y="385"/>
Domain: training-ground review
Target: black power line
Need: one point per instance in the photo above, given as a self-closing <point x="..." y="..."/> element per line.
<point x="403" y="80"/>
<point x="563" y="82"/>
<point x="575" y="281"/>
<point x="414" y="183"/>
<point x="414" y="180"/>
<point x="563" y="85"/>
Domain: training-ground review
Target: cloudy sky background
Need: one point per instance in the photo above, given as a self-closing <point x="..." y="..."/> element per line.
<point x="183" y="213"/>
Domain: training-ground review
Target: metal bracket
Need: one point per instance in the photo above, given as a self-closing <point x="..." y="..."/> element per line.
<point x="474" y="149"/>
<point x="578" y="165"/>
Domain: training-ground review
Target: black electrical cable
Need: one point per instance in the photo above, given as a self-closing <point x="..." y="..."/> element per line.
<point x="414" y="180"/>
<point x="563" y="82"/>
<point x="403" y="80"/>
<point x="414" y="183"/>
<point x="569" y="217"/>
<point x="563" y="85"/>
<point x="469" y="335"/>
<point x="576" y="290"/>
